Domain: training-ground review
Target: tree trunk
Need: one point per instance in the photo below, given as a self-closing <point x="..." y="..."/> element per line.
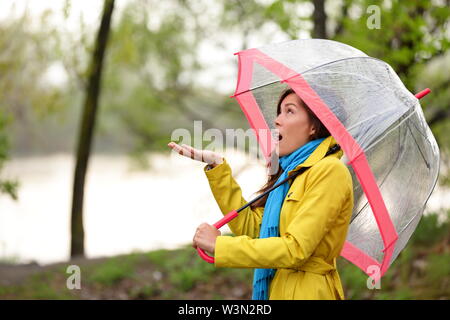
<point x="319" y="20"/>
<point x="87" y="129"/>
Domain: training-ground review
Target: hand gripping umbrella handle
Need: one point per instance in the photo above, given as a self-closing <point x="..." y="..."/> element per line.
<point x="227" y="218"/>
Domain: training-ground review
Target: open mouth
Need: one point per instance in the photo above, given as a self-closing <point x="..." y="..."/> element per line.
<point x="280" y="137"/>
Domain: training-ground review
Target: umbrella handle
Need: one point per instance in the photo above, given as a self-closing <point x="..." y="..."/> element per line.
<point x="227" y="218"/>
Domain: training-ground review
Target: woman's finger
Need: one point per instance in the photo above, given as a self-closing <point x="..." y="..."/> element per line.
<point x="194" y="241"/>
<point x="180" y="150"/>
<point x="174" y="146"/>
<point x="196" y="154"/>
<point x="188" y="151"/>
<point x="193" y="150"/>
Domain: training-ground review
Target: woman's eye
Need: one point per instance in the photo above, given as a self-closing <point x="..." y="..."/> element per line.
<point x="289" y="110"/>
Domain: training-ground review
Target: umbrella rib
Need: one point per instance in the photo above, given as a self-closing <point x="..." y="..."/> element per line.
<point x="387" y="174"/>
<point x="423" y="205"/>
<point x="406" y="226"/>
<point x="424" y="135"/>
<point x="308" y="70"/>
<point x="388" y="132"/>
<point x="343" y="59"/>
<point x="418" y="147"/>
<point x="379" y="187"/>
<point x="384" y="179"/>
<point x="356" y="75"/>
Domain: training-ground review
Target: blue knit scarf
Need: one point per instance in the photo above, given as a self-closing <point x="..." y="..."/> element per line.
<point x="271" y="216"/>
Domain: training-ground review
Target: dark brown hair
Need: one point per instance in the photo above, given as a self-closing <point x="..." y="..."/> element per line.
<point x="320" y="132"/>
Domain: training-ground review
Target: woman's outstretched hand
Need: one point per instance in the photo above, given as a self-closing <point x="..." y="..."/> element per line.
<point x="207" y="156"/>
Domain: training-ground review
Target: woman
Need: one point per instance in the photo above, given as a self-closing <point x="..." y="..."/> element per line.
<point x="294" y="235"/>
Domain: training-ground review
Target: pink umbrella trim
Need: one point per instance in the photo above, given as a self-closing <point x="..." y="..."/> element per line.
<point x="355" y="154"/>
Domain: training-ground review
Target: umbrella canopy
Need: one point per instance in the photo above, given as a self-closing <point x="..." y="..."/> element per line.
<point x="388" y="147"/>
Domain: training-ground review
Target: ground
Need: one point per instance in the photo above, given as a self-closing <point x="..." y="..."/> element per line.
<point x="422" y="271"/>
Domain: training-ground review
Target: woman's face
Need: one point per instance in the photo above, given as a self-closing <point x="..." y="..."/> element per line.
<point x="293" y="125"/>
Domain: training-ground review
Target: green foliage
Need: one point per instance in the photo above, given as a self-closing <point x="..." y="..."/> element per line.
<point x="153" y="60"/>
<point x="8" y="187"/>
<point x="403" y="39"/>
<point x="38" y="286"/>
<point x="244" y="275"/>
<point x="430" y="230"/>
<point x="185" y="276"/>
<point x="186" y="269"/>
<point x="145" y="292"/>
<point x="158" y="257"/>
<point x="419" y="272"/>
<point x="400" y="294"/>
<point x="438" y="269"/>
<point x="422" y="265"/>
<point x="403" y="265"/>
<point x="413" y="38"/>
<point x="287" y="17"/>
<point x="354" y="281"/>
<point x="28" y="97"/>
<point x="112" y="271"/>
<point x="185" y="279"/>
<point x="150" y="78"/>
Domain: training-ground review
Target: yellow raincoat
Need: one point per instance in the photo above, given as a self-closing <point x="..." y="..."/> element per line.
<point x="313" y="226"/>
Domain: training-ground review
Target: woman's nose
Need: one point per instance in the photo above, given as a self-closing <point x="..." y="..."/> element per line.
<point x="277" y="121"/>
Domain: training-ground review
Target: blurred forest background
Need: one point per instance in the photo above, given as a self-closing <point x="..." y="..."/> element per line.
<point x="165" y="64"/>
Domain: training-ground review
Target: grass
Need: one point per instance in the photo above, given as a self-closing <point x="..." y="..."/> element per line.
<point x="430" y="231"/>
<point x="439" y="268"/>
<point x="39" y="286"/>
<point x="422" y="271"/>
<point x="112" y="271"/>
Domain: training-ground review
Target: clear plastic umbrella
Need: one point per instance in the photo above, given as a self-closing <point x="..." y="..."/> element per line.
<point x="388" y="147"/>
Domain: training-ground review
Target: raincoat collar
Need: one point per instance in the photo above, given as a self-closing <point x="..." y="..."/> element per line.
<point x="319" y="154"/>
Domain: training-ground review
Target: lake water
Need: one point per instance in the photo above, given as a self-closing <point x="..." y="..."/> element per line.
<point x="125" y="209"/>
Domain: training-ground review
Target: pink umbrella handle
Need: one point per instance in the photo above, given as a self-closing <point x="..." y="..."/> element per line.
<point x="227" y="218"/>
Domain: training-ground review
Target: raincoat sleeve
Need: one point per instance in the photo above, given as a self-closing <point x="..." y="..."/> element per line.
<point x="228" y="196"/>
<point x="328" y="186"/>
